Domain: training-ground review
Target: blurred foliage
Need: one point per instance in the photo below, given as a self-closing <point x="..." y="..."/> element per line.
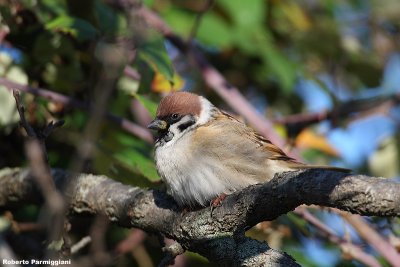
<point x="343" y="50"/>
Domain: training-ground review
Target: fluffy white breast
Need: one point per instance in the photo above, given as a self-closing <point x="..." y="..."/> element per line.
<point x="189" y="180"/>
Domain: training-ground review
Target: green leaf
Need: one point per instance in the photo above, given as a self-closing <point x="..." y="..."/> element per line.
<point x="150" y="105"/>
<point x="154" y="53"/>
<point x="300" y="256"/>
<point x="58" y="7"/>
<point x="214" y="30"/>
<point x="107" y="19"/>
<point x="245" y="14"/>
<point x="137" y="162"/>
<point x="79" y="28"/>
<point x="282" y="67"/>
<point x="121" y="155"/>
<point x="260" y="43"/>
<point x="179" y="20"/>
<point x="148" y="3"/>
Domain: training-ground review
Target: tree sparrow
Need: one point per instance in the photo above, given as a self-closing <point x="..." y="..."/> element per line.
<point x="202" y="152"/>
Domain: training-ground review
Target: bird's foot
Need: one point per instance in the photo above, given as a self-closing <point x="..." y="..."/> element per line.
<point x="217" y="201"/>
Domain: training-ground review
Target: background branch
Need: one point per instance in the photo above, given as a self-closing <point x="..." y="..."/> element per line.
<point x="347" y="247"/>
<point x="350" y="109"/>
<point x="373" y="238"/>
<point x="36" y="153"/>
<point x="55" y="97"/>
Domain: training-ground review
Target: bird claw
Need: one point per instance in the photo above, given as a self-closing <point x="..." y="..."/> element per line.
<point x="217" y="201"/>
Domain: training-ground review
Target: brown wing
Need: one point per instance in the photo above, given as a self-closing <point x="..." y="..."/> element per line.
<point x="239" y="148"/>
<point x="272" y="151"/>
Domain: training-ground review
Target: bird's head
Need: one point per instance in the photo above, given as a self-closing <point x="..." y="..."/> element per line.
<point x="180" y="112"/>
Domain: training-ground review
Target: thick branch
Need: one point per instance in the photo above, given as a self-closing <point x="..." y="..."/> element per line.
<point x="218" y="236"/>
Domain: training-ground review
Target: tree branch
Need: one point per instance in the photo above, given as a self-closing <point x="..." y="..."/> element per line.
<point x="220" y="236"/>
<point x="352" y="109"/>
<point x="347" y="247"/>
<point x="378" y="242"/>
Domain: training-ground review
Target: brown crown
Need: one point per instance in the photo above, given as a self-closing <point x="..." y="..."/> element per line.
<point x="181" y="103"/>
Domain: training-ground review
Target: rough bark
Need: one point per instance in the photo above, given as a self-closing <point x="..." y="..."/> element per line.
<point x="218" y="234"/>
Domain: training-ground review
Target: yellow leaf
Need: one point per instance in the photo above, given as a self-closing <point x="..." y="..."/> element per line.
<point x="162" y="85"/>
<point x="281" y="130"/>
<point x="309" y="139"/>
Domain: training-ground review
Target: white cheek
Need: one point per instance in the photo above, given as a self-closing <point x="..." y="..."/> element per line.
<point x="206" y="111"/>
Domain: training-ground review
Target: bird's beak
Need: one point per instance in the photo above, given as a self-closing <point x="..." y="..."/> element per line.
<point x="158" y="125"/>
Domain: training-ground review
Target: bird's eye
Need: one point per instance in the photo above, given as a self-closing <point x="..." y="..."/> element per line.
<point x="175" y="116"/>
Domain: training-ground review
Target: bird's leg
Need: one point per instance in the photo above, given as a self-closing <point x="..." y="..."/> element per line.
<point x="217" y="201"/>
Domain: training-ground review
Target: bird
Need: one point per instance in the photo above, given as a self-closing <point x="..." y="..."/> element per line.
<point x="203" y="154"/>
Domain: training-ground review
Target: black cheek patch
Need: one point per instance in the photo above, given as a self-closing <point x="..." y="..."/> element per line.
<point x="185" y="125"/>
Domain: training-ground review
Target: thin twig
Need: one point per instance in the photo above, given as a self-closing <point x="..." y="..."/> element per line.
<point x="51" y="127"/>
<point x="125" y="124"/>
<point x="80" y="244"/>
<point x="37" y="156"/>
<point x="193" y="32"/>
<point x="98" y="248"/>
<point x="38" y="135"/>
<point x="373" y="238"/>
<point x="354" y="108"/>
<point x="132" y="73"/>
<point x="21" y="111"/>
<point x="347" y="247"/>
<point x="54" y="200"/>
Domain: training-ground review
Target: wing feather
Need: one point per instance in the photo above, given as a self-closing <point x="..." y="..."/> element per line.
<point x="251" y="156"/>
